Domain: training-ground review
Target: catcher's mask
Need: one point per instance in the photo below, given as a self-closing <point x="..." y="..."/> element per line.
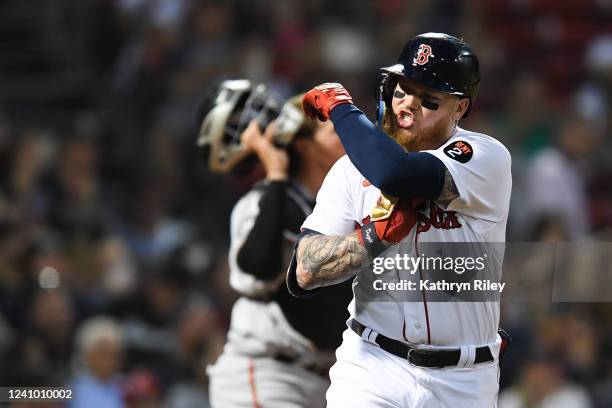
<point x="438" y="61"/>
<point x="236" y="104"/>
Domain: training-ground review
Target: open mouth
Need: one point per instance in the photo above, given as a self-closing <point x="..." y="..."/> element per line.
<point x="405" y="119"/>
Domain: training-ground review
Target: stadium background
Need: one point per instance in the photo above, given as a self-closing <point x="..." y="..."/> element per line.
<point x="107" y="210"/>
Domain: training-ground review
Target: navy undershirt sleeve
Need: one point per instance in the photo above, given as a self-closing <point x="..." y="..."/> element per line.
<point x="261" y="252"/>
<point x="385" y="163"/>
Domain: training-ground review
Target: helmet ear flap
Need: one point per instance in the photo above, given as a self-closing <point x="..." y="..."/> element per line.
<point x="390" y="85"/>
<point x="384" y="93"/>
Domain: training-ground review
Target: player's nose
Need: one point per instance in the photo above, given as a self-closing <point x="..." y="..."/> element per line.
<point x="411" y="102"/>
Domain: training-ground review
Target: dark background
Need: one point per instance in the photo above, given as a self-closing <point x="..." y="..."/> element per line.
<point x="106" y="208"/>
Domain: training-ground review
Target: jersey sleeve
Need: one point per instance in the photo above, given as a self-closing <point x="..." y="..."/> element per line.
<point x="334" y="212"/>
<point x="243" y="218"/>
<point x="481" y="170"/>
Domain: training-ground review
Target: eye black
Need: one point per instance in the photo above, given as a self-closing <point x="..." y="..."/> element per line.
<point x="398" y="94"/>
<point x="429" y="104"/>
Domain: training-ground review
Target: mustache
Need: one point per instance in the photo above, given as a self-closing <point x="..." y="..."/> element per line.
<point x="413" y="141"/>
<point x="393" y="128"/>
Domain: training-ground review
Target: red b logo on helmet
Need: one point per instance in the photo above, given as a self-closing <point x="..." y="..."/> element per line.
<point x="423" y="55"/>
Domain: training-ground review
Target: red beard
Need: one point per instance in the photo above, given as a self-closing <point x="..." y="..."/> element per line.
<point x="424" y="139"/>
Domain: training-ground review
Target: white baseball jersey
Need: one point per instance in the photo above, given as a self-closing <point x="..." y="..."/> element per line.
<point x="278" y="347"/>
<point x="480" y="167"/>
<point x="267" y="320"/>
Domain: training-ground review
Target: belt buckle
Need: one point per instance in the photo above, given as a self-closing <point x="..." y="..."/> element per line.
<point x="410" y="350"/>
<point x="424" y="353"/>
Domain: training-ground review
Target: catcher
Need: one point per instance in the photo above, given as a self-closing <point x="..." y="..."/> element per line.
<point x="279" y="348"/>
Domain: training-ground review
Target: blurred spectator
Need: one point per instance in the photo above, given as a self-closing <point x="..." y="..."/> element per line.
<point x="193" y="392"/>
<point x="99" y="358"/>
<point x="543" y="385"/>
<point x="197" y="324"/>
<point x="525" y="125"/>
<point x="594" y="97"/>
<point x="207" y="55"/>
<point x="149" y="316"/>
<point x="148" y="230"/>
<point x="141" y="390"/>
<point x="22" y="191"/>
<point x="79" y="206"/>
<point x="556" y="179"/>
<point x="42" y="349"/>
<point x="200" y="343"/>
<point x="119" y="277"/>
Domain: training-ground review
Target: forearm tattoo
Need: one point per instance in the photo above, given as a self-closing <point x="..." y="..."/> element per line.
<point x="449" y="190"/>
<point x="325" y="260"/>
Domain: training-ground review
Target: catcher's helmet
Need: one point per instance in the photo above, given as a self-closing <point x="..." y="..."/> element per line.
<point x="237" y="103"/>
<point x="439" y="61"/>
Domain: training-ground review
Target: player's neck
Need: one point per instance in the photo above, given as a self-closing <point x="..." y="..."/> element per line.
<point x="311" y="177"/>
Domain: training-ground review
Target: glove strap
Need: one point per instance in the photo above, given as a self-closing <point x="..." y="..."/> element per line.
<point x="370" y="240"/>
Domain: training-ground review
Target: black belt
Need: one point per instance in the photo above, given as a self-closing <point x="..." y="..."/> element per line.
<point x="422" y="357"/>
<point x="313" y="368"/>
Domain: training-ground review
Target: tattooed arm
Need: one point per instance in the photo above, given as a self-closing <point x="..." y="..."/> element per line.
<point x="449" y="190"/>
<point x="324" y="260"/>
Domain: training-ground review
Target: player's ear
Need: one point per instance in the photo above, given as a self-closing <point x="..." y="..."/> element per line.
<point x="461" y="107"/>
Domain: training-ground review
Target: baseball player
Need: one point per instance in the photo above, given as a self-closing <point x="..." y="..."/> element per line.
<point x="279" y="349"/>
<point x="424" y="179"/>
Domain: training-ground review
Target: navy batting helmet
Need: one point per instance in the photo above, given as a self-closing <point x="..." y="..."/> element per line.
<point x="439" y="61"/>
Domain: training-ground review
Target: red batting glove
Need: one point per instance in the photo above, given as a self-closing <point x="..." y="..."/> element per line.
<point x="320" y="100"/>
<point x="393" y="229"/>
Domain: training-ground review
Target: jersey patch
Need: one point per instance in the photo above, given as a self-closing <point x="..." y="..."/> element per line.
<point x="460" y="151"/>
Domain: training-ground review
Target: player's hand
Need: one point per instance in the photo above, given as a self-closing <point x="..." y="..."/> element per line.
<point x="274" y="160"/>
<point x="320" y="100"/>
<point x="390" y="228"/>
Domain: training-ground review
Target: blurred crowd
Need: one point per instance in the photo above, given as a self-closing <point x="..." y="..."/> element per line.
<point x="114" y="236"/>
